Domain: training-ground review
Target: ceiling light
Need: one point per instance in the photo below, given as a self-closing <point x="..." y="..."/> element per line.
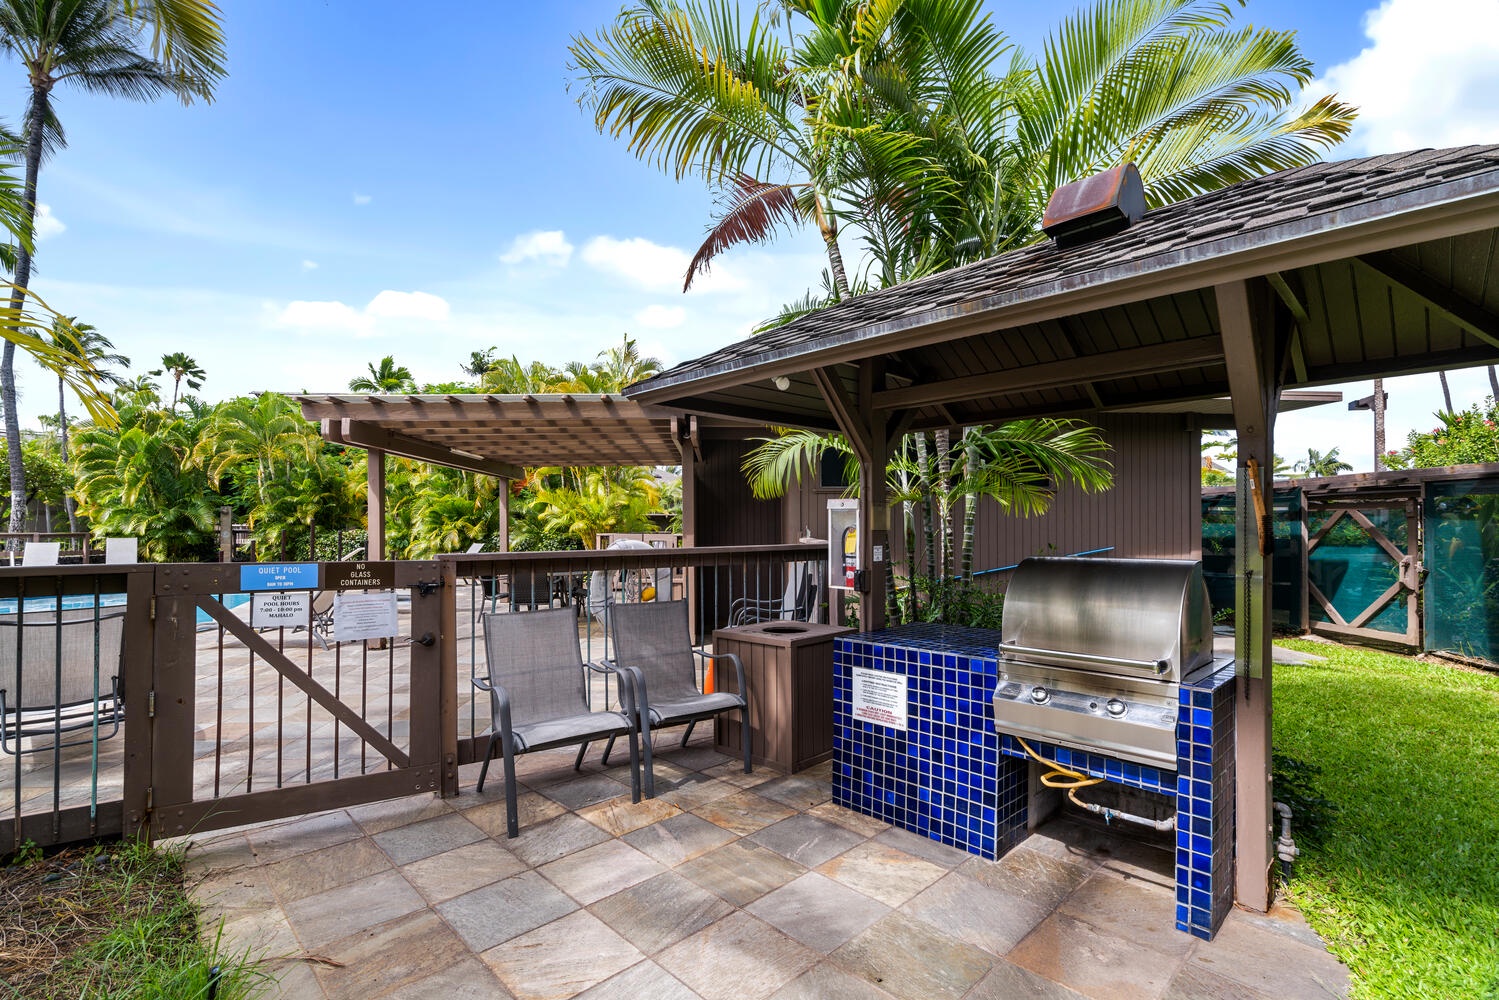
<point x="781" y="382"/>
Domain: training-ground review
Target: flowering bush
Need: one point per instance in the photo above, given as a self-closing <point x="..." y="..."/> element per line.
<point x="1459" y="439"/>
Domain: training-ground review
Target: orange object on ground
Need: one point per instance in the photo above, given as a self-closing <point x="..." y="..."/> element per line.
<point x="708" y="683"/>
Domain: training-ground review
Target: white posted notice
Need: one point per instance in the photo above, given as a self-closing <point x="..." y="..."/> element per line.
<point x="280" y="608"/>
<point x="879" y="697"/>
<point x="364" y="616"/>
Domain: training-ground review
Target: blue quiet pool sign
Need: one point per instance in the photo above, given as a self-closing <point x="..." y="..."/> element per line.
<point x="278" y="576"/>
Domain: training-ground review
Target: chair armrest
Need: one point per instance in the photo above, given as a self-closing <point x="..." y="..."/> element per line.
<point x="738" y="668"/>
<point x="626" y="677"/>
<point x="499" y="705"/>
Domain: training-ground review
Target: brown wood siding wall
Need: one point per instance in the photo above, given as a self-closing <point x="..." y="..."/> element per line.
<point x="726" y="513"/>
<point x="1154" y="509"/>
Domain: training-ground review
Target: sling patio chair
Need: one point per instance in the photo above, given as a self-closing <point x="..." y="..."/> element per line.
<point x="652" y="643"/>
<point x="538" y="700"/>
<point x="60" y="675"/>
<point x="798" y="603"/>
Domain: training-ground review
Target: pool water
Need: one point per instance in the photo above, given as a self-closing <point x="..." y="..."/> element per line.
<point x="76" y="601"/>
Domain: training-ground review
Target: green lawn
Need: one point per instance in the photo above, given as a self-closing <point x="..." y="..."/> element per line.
<point x="1404" y="886"/>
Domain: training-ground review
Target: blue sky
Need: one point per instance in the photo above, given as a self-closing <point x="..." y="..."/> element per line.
<point x="368" y="182"/>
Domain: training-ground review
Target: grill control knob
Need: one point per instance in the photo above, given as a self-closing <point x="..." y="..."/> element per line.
<point x="1040" y="695"/>
<point x="1115" y="707"/>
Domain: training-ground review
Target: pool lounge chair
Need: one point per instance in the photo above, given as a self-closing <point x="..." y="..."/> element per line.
<point x="41" y="553"/>
<point x="56" y="686"/>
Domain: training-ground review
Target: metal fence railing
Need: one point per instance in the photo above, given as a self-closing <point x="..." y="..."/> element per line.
<point x="161" y="699"/>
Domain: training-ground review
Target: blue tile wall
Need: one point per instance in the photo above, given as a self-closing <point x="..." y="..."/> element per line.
<point x="952" y="778"/>
<point x="944" y="777"/>
<point x="1205" y="802"/>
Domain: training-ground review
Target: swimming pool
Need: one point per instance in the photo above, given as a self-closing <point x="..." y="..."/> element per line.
<point x="74" y="602"/>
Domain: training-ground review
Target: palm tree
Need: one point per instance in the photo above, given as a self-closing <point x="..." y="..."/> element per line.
<point x="182" y="369"/>
<point x="95" y="45"/>
<point x="266" y="433"/>
<point x="697" y="91"/>
<point x="508" y="376"/>
<point x="1317" y="464"/>
<point x="479" y="362"/>
<point x="893" y="116"/>
<point x="92" y="350"/>
<point x="388" y="377"/>
<point x="1446" y="392"/>
<point x="1019" y="465"/>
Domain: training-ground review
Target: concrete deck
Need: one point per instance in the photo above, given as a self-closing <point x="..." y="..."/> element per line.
<point x="725" y="887"/>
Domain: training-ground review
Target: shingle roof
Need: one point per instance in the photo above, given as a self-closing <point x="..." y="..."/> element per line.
<point x="1320" y="197"/>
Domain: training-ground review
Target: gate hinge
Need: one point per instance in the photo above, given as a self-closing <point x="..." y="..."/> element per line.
<point x="149" y="790"/>
<point x="153" y="609"/>
<point x="150" y="704"/>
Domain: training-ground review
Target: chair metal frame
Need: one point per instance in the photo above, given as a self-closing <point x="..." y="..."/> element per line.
<point x="511" y="743"/>
<point x="649" y="718"/>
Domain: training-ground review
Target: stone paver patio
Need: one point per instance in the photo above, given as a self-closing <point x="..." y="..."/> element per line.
<point x="726" y="887"/>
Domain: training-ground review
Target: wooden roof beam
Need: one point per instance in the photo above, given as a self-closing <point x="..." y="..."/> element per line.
<point x="845" y="411"/>
<point x="1149" y="360"/>
<point x="372" y="436"/>
<point x="1467" y="315"/>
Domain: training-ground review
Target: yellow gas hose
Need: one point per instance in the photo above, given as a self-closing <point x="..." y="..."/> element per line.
<point x="1060" y="776"/>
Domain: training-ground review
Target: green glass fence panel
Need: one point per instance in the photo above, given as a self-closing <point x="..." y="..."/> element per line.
<point x="1352" y="570"/>
<point x="1218" y="555"/>
<point x="1462" y="567"/>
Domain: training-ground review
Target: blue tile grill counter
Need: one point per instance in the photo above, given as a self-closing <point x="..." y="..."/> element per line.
<point x="920" y="752"/>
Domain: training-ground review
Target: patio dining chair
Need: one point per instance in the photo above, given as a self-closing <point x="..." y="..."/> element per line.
<point x="60" y="676"/>
<point x="538" y="700"/>
<point x="652" y="643"/>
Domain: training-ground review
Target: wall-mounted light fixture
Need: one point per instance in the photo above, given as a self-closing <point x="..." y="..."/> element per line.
<point x="781" y="382"/>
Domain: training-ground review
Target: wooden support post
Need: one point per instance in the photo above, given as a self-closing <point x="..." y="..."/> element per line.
<point x="1250" y="345"/>
<point x="688" y="446"/>
<point x="502" y="500"/>
<point x="874" y="497"/>
<point x="375" y="480"/>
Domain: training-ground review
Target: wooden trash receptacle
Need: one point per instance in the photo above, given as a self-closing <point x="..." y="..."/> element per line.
<point x="789" y="668"/>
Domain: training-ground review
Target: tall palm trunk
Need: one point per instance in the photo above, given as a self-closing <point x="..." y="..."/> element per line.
<point x="970" y="501"/>
<point x="829" y="230"/>
<point x="68" y="503"/>
<point x="928" y="519"/>
<point x="943" y="440"/>
<point x="1493" y="384"/>
<point x="34" y="122"/>
<point x="1446" y="391"/>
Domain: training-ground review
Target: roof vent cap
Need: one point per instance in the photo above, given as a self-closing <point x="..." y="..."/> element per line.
<point x="1095" y="207"/>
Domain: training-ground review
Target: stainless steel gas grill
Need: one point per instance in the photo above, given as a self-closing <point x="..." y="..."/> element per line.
<point x="1093" y="653"/>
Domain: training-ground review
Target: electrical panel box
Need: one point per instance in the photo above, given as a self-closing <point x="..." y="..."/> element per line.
<point x="843" y="545"/>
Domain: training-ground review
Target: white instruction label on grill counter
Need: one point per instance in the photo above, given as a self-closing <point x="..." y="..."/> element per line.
<point x="879" y="697"/>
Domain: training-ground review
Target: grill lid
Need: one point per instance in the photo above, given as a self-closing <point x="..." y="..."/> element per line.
<point x="1145" y="617"/>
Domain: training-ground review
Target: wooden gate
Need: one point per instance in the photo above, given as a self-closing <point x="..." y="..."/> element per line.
<point x="248" y="724"/>
<point x="1364" y="569"/>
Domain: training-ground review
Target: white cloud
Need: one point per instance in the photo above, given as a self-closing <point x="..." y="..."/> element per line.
<point x="660" y="317"/>
<point x="47" y="224"/>
<point x="1427" y="77"/>
<point x="408" y="305"/>
<point x="387" y="311"/>
<point x="309" y="265"/>
<point x="324" y="317"/>
<point x="363" y="199"/>
<point x="653" y="267"/>
<point x="549" y="246"/>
